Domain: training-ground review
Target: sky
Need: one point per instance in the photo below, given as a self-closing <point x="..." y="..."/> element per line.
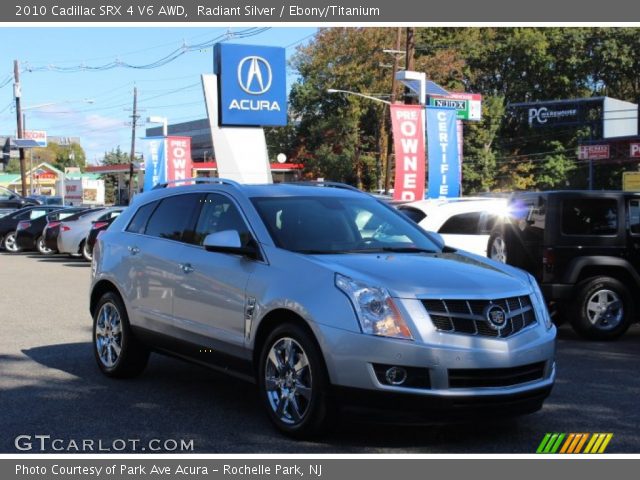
<point x="95" y="105"/>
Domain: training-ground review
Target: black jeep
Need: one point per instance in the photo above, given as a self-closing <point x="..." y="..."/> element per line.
<point x="584" y="249"/>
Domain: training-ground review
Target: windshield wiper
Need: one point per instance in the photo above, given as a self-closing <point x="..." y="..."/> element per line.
<point x="318" y="252"/>
<point x="408" y="250"/>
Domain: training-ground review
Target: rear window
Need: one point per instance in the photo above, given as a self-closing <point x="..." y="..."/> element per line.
<point x="413" y="213"/>
<point x="462" y="224"/>
<point x="590" y="216"/>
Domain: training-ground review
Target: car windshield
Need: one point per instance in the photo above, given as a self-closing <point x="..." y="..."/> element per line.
<point x="318" y="225"/>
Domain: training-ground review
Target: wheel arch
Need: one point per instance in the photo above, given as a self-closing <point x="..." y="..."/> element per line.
<point x="99" y="289"/>
<point x="595" y="266"/>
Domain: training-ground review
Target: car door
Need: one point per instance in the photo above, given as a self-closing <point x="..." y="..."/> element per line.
<point x="209" y="303"/>
<point x="462" y="231"/>
<point x="152" y="255"/>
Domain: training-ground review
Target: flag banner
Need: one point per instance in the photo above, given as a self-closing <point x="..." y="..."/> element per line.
<point x="408" y="140"/>
<point x="179" y="163"/>
<point x="155" y="162"/>
<point x="442" y="142"/>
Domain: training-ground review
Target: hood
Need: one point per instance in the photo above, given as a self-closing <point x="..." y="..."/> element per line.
<point x="443" y="275"/>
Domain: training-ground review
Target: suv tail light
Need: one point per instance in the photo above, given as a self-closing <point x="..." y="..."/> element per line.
<point x="64" y="228"/>
<point x="53" y="224"/>
<point x="23" y="225"/>
<point x="97" y="225"/>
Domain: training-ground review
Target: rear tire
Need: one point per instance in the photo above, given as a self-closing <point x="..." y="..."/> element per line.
<point x="88" y="256"/>
<point x="117" y="351"/>
<point x="42" y="247"/>
<point x="603" y="309"/>
<point x="497" y="247"/>
<point x="293" y="382"/>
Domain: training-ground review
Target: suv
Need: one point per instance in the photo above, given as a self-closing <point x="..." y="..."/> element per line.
<point x="584" y="249"/>
<point x="318" y="293"/>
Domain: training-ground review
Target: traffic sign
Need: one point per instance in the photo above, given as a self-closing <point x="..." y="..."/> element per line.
<point x="468" y="105"/>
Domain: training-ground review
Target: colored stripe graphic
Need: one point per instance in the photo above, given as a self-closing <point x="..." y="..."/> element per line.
<point x="574" y="443"/>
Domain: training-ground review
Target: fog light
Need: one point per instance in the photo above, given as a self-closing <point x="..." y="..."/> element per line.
<point x="396" y="375"/>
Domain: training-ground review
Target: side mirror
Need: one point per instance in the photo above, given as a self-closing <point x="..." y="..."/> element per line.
<point x="228" y="241"/>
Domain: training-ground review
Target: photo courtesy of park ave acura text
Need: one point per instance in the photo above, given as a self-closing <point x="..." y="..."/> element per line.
<point x="315" y="239"/>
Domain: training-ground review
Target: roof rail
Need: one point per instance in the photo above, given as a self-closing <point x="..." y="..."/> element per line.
<point x="197" y="180"/>
<point x="326" y="184"/>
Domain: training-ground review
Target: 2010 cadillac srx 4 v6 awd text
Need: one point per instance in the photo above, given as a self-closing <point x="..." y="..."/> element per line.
<point x="328" y="299"/>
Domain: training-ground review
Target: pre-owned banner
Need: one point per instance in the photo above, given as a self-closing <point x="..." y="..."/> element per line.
<point x="179" y="162"/>
<point x="442" y="142"/>
<point x="155" y="162"/>
<point x="408" y="140"/>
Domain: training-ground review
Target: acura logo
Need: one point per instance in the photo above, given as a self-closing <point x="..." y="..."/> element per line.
<point x="496" y="316"/>
<point x="254" y="75"/>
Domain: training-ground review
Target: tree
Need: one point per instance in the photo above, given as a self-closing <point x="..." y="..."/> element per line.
<point x="61" y="156"/>
<point x="114" y="157"/>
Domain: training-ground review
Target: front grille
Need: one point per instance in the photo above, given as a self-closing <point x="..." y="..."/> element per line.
<point x="495" y="377"/>
<point x="469" y="316"/>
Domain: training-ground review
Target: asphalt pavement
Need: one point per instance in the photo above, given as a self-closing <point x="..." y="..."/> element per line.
<point x="50" y="386"/>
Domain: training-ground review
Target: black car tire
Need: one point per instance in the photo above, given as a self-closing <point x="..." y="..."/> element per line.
<point x="610" y="289"/>
<point x="42" y="247"/>
<point x="319" y="412"/>
<point x="9" y="243"/>
<point x="497" y="248"/>
<point x="133" y="356"/>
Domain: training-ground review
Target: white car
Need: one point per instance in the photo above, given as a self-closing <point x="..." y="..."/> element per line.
<point x="465" y="223"/>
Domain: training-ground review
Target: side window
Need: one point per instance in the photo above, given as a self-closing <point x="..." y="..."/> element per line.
<point x="590" y="216"/>
<point x="218" y="213"/>
<point x="172" y="218"/>
<point x="414" y="214"/>
<point x="488" y="222"/>
<point x="462" y="224"/>
<point x="37" y="213"/>
<point x="634" y="216"/>
<point x="139" y="221"/>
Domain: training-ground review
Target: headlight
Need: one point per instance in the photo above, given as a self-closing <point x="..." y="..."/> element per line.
<point x="540" y="305"/>
<point x="375" y="309"/>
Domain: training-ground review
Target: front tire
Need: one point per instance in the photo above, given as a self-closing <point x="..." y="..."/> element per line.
<point x="293" y="382"/>
<point x="118" y="353"/>
<point x="603" y="310"/>
<point x="10" y="244"/>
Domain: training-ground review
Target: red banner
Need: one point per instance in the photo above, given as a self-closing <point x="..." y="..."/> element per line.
<point x="179" y="163"/>
<point x="408" y="140"/>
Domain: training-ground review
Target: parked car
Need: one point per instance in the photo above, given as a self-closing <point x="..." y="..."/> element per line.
<point x="465" y="223"/>
<point x="97" y="226"/>
<point x="12" y="200"/>
<point x="290" y="286"/>
<point x="52" y="229"/>
<point x="30" y="233"/>
<point x="72" y="236"/>
<point x="584" y="249"/>
<point x="46" y="200"/>
<point x="9" y="223"/>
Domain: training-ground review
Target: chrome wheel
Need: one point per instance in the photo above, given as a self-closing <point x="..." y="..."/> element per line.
<point x="10" y="242"/>
<point x="288" y="381"/>
<point x="108" y="335"/>
<point x="86" y="253"/>
<point x="42" y="247"/>
<point x="498" y="250"/>
<point x="605" y="309"/>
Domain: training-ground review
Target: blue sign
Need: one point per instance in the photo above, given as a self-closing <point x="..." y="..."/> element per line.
<point x="155" y="162"/>
<point x="252" y="85"/>
<point x="442" y="144"/>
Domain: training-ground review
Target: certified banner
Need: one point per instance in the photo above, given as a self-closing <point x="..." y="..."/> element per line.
<point x="179" y="163"/>
<point x="444" y="164"/>
<point x="408" y="140"/>
<point x="155" y="162"/>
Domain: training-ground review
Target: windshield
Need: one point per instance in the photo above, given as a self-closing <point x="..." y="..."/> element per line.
<point x="339" y="225"/>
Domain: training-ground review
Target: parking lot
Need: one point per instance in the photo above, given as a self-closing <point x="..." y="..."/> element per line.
<point x="50" y="385"/>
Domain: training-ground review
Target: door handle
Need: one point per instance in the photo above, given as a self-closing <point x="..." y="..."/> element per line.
<point x="186" y="268"/>
<point x="133" y="250"/>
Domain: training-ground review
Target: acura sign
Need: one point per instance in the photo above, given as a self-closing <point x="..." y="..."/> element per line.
<point x="252" y="85"/>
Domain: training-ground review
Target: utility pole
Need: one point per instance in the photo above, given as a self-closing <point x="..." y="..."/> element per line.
<point x="17" y="93"/>
<point x="410" y="60"/>
<point x="392" y="99"/>
<point x="134" y="121"/>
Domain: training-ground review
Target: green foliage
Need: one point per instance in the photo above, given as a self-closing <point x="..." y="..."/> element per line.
<point x="13" y="166"/>
<point x="114" y="157"/>
<point x="61" y="156"/>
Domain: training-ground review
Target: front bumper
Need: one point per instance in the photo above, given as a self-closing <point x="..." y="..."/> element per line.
<point x="446" y="360"/>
